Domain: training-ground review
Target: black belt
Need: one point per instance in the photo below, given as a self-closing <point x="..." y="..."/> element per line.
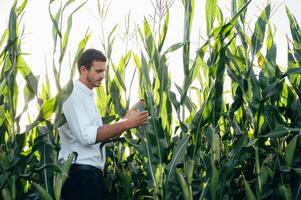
<point x="86" y="168"/>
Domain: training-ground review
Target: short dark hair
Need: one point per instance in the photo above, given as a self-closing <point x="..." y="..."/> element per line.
<point x="89" y="56"/>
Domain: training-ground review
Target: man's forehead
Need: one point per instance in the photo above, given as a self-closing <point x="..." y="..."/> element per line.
<point x="99" y="65"/>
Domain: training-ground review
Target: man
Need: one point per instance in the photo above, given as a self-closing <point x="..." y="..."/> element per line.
<point x="84" y="130"/>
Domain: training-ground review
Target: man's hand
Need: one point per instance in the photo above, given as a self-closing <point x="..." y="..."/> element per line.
<point x="134" y="119"/>
<point x="140" y="103"/>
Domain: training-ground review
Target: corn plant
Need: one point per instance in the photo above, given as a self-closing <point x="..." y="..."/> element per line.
<point x="27" y="162"/>
<point x="229" y="143"/>
<point x="204" y="148"/>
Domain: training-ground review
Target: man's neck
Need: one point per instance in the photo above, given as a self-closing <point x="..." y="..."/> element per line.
<point x="86" y="83"/>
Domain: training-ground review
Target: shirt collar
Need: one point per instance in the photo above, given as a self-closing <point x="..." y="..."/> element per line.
<point x="84" y="88"/>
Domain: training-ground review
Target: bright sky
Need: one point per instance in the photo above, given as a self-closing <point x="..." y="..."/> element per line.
<point x="38" y="42"/>
<point x="38" y="38"/>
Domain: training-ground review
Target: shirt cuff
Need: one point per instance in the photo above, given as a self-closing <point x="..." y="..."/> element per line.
<point x="90" y="134"/>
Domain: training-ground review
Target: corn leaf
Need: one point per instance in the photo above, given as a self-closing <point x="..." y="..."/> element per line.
<point x="179" y="152"/>
<point x="249" y="193"/>
<point x="61" y="177"/>
<point x="81" y="46"/>
<point x="290" y="152"/>
<point x="259" y="32"/>
<point x="42" y="192"/>
<point x="163" y="31"/>
<point x="211" y="10"/>
<point x="280" y="132"/>
<point x="66" y="35"/>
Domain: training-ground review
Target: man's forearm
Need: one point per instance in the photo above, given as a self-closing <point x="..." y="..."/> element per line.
<point x="110" y="131"/>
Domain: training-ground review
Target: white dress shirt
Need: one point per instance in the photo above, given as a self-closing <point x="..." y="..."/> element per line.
<point x="78" y="134"/>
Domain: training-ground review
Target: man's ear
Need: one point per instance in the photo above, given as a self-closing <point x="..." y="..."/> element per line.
<point x="82" y="69"/>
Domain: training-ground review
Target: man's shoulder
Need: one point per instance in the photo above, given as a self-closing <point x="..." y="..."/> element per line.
<point x="72" y="96"/>
<point x="77" y="95"/>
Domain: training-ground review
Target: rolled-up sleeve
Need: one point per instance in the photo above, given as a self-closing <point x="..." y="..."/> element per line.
<point x="78" y="121"/>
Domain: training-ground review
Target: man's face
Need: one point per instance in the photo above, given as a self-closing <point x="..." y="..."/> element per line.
<point x="95" y="74"/>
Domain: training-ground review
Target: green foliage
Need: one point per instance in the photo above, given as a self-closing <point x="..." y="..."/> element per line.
<point x="204" y="148"/>
<point x="28" y="159"/>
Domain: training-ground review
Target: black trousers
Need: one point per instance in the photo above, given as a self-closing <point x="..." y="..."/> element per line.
<point x="84" y="182"/>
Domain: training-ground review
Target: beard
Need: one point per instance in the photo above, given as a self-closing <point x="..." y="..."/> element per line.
<point x="93" y="82"/>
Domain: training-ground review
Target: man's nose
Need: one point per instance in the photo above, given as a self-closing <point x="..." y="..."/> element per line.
<point x="102" y="75"/>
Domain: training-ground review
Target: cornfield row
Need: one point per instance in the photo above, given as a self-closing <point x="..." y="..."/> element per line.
<point x="191" y="148"/>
